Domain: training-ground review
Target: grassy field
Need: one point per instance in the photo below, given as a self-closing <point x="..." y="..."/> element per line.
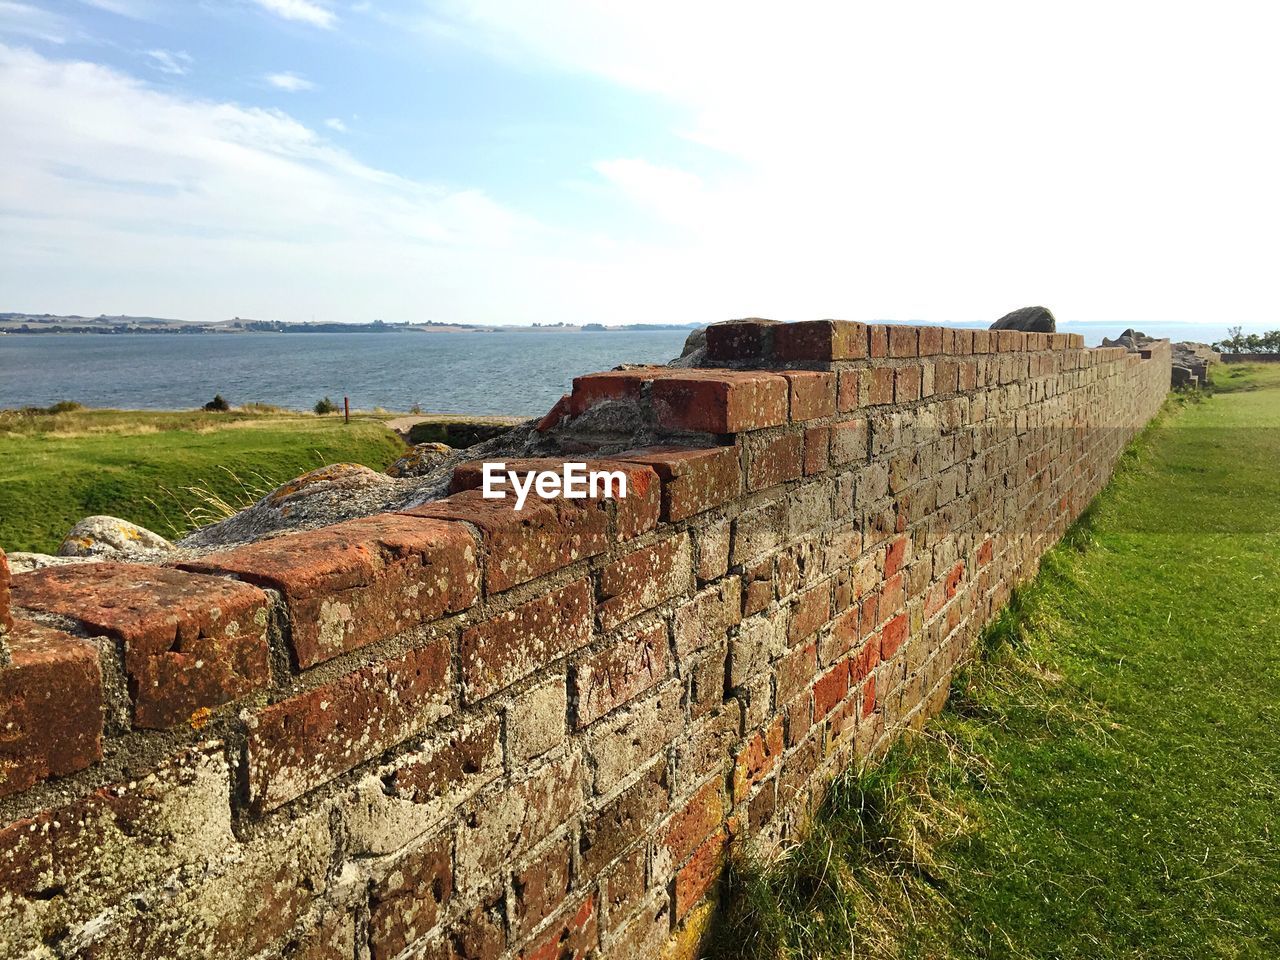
<point x="166" y="471"/>
<point x="1105" y="781"/>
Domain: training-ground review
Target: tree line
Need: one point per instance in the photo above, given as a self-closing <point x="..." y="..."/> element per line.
<point x="1237" y="342"/>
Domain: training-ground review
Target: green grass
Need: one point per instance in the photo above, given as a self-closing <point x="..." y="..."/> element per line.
<point x="1105" y="781"/>
<point x="164" y="470"/>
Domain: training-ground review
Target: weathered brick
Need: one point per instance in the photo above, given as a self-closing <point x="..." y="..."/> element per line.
<point x="51" y="707"/>
<point x="536" y="721"/>
<point x="6" y="613"/>
<point x="759" y="641"/>
<point x="820" y="340"/>
<point x="830" y="689"/>
<point x="817" y="450"/>
<point x="354" y="583"/>
<point x="931" y="340"/>
<point x="625" y="820"/>
<point x="878" y="386"/>
<point x="502" y="824"/>
<point x="757" y="758"/>
<point x="774" y="459"/>
<point x="795" y="671"/>
<point x="190" y="641"/>
<point x="299" y="743"/>
<point x="612" y="385"/>
<point x="906" y="384"/>
<point x="849" y="394"/>
<point x="407" y="902"/>
<point x="904" y="341"/>
<point x="706" y="749"/>
<point x="510" y="646"/>
<point x="713" y="550"/>
<point x="522" y="545"/>
<point x="750" y="339"/>
<point x="635" y="513"/>
<point x="813" y="394"/>
<point x="540" y="887"/>
<point x="625" y="742"/>
<point x="720" y="401"/>
<point x="647" y="933"/>
<point x="707" y="616"/>
<point x="892" y="636"/>
<point x="693" y="480"/>
<point x="448" y="768"/>
<point x="575" y="937"/>
<point x="612" y="676"/>
<point x="878" y="341"/>
<point x="810" y="611"/>
<point x="706" y="676"/>
<point x="644" y="578"/>
<point x="700" y="873"/>
<point x="758" y="592"/>
<point x="691" y="823"/>
<point x="849" y="442"/>
<point x="864" y="661"/>
<point x="622" y="886"/>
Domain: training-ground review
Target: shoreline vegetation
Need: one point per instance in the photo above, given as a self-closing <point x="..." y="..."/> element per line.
<point x="44" y="324"/>
<point x="173" y="470"/>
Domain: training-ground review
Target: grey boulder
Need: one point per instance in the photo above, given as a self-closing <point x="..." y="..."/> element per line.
<point x="1029" y="319"/>
<point x="112" y="538"/>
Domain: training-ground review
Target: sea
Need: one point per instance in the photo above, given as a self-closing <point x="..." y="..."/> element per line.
<point x="504" y="372"/>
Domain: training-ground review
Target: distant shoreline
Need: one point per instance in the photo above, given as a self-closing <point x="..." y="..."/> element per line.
<point x="17" y="324"/>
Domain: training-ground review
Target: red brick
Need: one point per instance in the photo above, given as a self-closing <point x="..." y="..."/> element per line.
<point x="946" y="377"/>
<point x="576" y="937"/>
<point x="758" y="756"/>
<point x="1009" y="341"/>
<point x="618" y="673"/>
<point x="700" y="873"/>
<point x="813" y="394"/>
<point x="817" y="450"/>
<point x="541" y="887"/>
<point x="894" y="556"/>
<point x="849" y="394"/>
<point x="906" y="384"/>
<point x="812" y="609"/>
<point x="878" y="386"/>
<point x="849" y="442"/>
<point x="723" y="401"/>
<point x="954" y="578"/>
<point x="644" y="578"/>
<point x="878" y="341"/>
<point x="559" y="410"/>
<point x="190" y="641"/>
<point x="50" y="707"/>
<point x="831" y="688"/>
<point x="692" y="823"/>
<point x="985" y="553"/>
<point x="636" y="513"/>
<point x="774" y="460"/>
<point x="302" y="742"/>
<point x="510" y="646"/>
<point x="982" y="341"/>
<point x="597" y="388"/>
<point x="522" y="545"/>
<point x="864" y="661"/>
<point x="354" y="583"/>
<point x="869" y="696"/>
<point x="749" y="339"/>
<point x="407" y="903"/>
<point x="693" y="480"/>
<point x="480" y="933"/>
<point x="820" y="340"/>
<point x="895" y="631"/>
<point x="449" y="767"/>
<point x="904" y="341"/>
<point x="931" y="340"/>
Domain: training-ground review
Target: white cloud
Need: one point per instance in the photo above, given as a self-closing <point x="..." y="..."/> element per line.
<point x="139" y="200"/>
<point x="289" y="82"/>
<point x="334" y="123"/>
<point x="174" y="62"/>
<point x="25" y="20"/>
<point x="936" y="160"/>
<point x="122" y="8"/>
<point x="302" y="11"/>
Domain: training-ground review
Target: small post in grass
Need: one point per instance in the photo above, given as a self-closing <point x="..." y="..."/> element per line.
<point x="346" y="409"/>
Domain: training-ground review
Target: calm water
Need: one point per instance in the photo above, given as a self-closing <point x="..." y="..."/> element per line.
<point x="505" y="373"/>
<point x="502" y="373"/>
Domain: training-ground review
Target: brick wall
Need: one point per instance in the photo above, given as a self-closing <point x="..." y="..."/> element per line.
<point x="463" y="731"/>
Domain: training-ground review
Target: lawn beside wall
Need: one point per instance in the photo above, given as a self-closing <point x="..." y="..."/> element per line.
<point x="168" y="471"/>
<point x="1105" y="780"/>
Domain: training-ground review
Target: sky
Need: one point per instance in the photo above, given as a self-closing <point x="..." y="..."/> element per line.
<point x="494" y="161"/>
